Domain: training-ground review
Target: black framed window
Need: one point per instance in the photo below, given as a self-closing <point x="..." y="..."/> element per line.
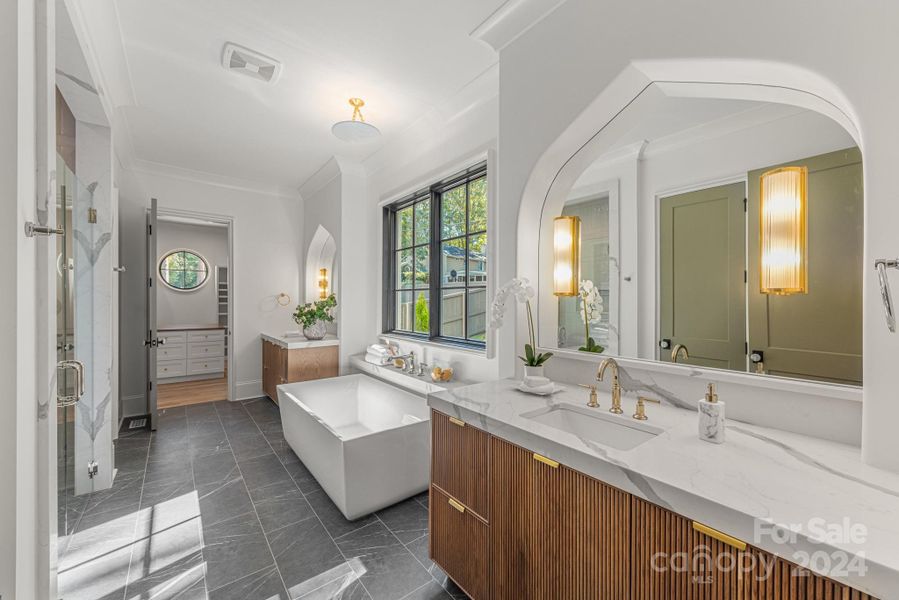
<point x="435" y="261"/>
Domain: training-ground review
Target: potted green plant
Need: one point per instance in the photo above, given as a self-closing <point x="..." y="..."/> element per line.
<point x="313" y="317"/>
<point x="522" y="292"/>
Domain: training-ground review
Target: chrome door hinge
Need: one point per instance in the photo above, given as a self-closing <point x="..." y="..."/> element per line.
<point x="92" y="469"/>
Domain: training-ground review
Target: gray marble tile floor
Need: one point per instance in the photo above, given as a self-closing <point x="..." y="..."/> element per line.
<point x="215" y="505"/>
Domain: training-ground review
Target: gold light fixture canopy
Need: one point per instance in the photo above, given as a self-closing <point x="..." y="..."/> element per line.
<point x="566" y="255"/>
<point x="323" y="283"/>
<point x="356" y="129"/>
<point x="783" y="231"/>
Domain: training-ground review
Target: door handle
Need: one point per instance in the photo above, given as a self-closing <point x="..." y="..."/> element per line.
<point x="882" y="264"/>
<point x="78" y="367"/>
<point x="155" y="343"/>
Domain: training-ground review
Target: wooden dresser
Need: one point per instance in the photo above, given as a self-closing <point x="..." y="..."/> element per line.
<point x="288" y="359"/>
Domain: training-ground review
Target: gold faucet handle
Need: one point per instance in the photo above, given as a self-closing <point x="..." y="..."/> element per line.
<point x="640" y="413"/>
<point x="593" y="403"/>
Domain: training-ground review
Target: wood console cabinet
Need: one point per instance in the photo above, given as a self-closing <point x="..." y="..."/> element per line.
<point x="506" y="523"/>
<point x="280" y="365"/>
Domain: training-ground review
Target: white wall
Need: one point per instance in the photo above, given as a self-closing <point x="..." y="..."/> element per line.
<point x="540" y="101"/>
<point x="194" y="307"/>
<point x="267" y="236"/>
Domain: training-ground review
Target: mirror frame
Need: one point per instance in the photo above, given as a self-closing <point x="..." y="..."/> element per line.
<point x="595" y="139"/>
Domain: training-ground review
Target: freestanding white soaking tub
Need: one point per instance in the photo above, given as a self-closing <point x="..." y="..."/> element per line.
<point x="366" y="442"/>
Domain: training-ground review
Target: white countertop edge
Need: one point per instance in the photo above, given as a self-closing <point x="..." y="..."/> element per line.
<point x="422" y="385"/>
<point x="298" y="342"/>
<point x="882" y="576"/>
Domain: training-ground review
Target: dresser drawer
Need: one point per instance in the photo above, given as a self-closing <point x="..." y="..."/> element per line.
<point x="170" y="368"/>
<point x="213" y="335"/>
<point x="205" y="350"/>
<point x="171" y="352"/>
<point x="173" y="337"/>
<point x="197" y="366"/>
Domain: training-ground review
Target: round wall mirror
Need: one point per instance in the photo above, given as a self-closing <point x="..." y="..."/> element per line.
<point x="183" y="270"/>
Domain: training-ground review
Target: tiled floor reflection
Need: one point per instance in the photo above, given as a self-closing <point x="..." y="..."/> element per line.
<point x="215" y="505"/>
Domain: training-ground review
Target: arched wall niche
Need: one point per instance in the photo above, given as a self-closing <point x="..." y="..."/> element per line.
<point x="321" y="254"/>
<point x="637" y="89"/>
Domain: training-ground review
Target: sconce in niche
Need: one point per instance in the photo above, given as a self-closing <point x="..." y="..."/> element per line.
<point x="783" y="231"/>
<point x="566" y="255"/>
<point x="323" y="283"/>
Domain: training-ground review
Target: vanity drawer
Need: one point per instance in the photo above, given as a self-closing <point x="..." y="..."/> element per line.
<point x="171" y="352"/>
<point x="198" y="366"/>
<point x="459" y="461"/>
<point x="170" y="368"/>
<point x="205" y="350"/>
<point x="173" y="337"/>
<point x="458" y="543"/>
<point x="212" y="335"/>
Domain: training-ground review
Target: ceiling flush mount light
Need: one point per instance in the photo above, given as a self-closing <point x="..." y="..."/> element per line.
<point x="566" y="255"/>
<point x="783" y="235"/>
<point x="356" y="129"/>
<point x="323" y="283"/>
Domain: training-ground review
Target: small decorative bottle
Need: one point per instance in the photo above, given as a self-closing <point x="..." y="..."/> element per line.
<point x="711" y="417"/>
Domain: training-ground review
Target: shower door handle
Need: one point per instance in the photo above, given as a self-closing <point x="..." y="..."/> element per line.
<point x="882" y="264"/>
<point x="78" y="368"/>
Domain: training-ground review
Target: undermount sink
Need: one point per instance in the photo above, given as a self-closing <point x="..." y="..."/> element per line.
<point x="593" y="425"/>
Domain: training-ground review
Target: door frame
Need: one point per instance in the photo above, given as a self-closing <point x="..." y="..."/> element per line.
<point x="657" y="246"/>
<point x="230" y="334"/>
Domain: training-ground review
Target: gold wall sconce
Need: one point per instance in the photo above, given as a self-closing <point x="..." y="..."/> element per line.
<point x="323" y="283"/>
<point x="566" y="255"/>
<point x="783" y="231"/>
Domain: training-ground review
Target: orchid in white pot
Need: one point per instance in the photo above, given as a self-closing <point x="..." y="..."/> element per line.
<point x="591" y="312"/>
<point x="521" y="291"/>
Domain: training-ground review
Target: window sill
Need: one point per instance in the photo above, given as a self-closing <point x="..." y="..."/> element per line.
<point x="443" y="345"/>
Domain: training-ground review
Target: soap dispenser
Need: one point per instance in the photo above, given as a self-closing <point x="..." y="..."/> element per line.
<point x="711" y="417"/>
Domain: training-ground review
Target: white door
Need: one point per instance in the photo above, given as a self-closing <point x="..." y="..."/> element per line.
<point x="151" y="342"/>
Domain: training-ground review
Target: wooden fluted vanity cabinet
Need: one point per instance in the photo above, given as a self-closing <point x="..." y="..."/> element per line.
<point x="508" y="524"/>
<point x="283" y="365"/>
<point x="555" y="532"/>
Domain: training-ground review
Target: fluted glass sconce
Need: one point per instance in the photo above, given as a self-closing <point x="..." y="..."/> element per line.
<point x="783" y="231"/>
<point x="323" y="283"/>
<point x="566" y="255"/>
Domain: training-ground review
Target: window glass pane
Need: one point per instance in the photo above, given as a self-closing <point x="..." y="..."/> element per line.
<point x="174" y="278"/>
<point x="422" y="267"/>
<point x="477" y="259"/>
<point x="452" y="263"/>
<point x="477" y="205"/>
<point x="404" y="269"/>
<point x="452" y="212"/>
<point x="191" y="279"/>
<point x="191" y="261"/>
<point x="422" y="312"/>
<point x="405" y="311"/>
<point x="174" y="261"/>
<point x="183" y="270"/>
<point x="477" y="314"/>
<point x="452" y="313"/>
<point x="404" y="227"/>
<point x="423" y="222"/>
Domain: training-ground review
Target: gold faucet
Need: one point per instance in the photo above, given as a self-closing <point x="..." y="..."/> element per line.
<point x="677" y="351"/>
<point x="640" y="413"/>
<point x="616" y="387"/>
<point x="593" y="403"/>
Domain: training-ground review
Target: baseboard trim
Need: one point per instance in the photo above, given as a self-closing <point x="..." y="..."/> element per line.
<point x="248" y="389"/>
<point x="133" y="406"/>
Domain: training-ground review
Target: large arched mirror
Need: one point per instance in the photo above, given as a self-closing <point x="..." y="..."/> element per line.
<point x="716" y="232"/>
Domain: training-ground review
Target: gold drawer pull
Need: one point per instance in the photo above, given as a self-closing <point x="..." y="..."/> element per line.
<point x="456" y="421"/>
<point x="546" y="461"/>
<point x="721" y="537"/>
<point x="457" y="505"/>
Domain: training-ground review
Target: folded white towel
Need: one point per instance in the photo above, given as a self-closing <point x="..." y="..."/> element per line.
<point x="535" y="381"/>
<point x="549" y="388"/>
<point x="376" y="359"/>
<point x="379" y="350"/>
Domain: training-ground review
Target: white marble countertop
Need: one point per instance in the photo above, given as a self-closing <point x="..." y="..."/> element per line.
<point x="421" y="384"/>
<point x="783" y="481"/>
<point x="294" y="340"/>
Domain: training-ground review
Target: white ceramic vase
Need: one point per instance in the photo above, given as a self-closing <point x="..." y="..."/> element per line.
<point x="316" y="331"/>
<point x="533" y="371"/>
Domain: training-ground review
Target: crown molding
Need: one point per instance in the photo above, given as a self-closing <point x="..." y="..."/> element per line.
<point x="147" y="167"/>
<point x="512" y="20"/>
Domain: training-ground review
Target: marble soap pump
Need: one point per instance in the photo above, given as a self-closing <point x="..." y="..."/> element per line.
<point x="711" y="417"/>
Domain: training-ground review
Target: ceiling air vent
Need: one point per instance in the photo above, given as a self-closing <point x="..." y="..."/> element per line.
<point x="253" y="64"/>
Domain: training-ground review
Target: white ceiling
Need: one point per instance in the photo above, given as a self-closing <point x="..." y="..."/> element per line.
<point x="403" y="57"/>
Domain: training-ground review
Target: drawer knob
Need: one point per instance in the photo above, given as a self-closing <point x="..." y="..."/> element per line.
<point x="457" y="505"/>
